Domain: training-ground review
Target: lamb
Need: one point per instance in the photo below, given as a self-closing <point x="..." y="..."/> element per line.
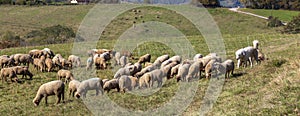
<point x="49" y="64"/>
<point x="73" y="86"/>
<point x="125" y="83"/>
<point x="209" y="68"/>
<point x="134" y="82"/>
<point x="48" y="53"/>
<point x="145" y="80"/>
<point x="182" y="72"/>
<point x="174" y="70"/>
<point x="22" y="70"/>
<point x="111" y="84"/>
<point x="246" y="54"/>
<point x="56" y="88"/>
<point x="90" y="84"/>
<point x="8" y="72"/>
<point x="100" y="63"/>
<point x="74" y="60"/>
<point x="194" y="70"/>
<point x="123" y="61"/>
<point x="255" y="44"/>
<point x="227" y="67"/>
<point x="122" y="71"/>
<point x="197" y="57"/>
<point x="6" y="61"/>
<point x="161" y="59"/>
<point x="89" y="63"/>
<point x="35" y="53"/>
<point x="145" y="58"/>
<point x="65" y="74"/>
<point x="157" y="75"/>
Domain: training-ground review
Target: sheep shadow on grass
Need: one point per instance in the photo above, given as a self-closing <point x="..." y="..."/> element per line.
<point x="237" y="75"/>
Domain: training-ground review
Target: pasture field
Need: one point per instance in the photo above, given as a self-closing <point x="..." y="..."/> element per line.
<point x="271" y="88"/>
<point x="283" y="15"/>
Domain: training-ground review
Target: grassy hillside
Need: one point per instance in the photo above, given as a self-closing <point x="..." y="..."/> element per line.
<point x="283" y="15"/>
<point x="268" y="89"/>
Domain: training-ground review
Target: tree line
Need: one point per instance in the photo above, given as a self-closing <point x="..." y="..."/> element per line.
<point x="272" y="4"/>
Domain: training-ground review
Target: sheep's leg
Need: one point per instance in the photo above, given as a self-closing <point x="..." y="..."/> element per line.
<point x="251" y="63"/>
<point x="97" y="92"/>
<point x="58" y="98"/>
<point x="63" y="96"/>
<point x="46" y="100"/>
<point x="238" y="63"/>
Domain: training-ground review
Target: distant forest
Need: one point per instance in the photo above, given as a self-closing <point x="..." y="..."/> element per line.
<point x="272" y="4"/>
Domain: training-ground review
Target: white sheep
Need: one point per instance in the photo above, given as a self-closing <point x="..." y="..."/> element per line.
<point x="197" y="57"/>
<point x="161" y="59"/>
<point x="89" y="84"/>
<point x="89" y="63"/>
<point x="246" y="54"/>
<point x="176" y="58"/>
<point x="174" y="70"/>
<point x="123" y="61"/>
<point x="194" y="70"/>
<point x="56" y="88"/>
<point x="65" y="74"/>
<point x="125" y="83"/>
<point x="145" y="81"/>
<point x="122" y="71"/>
<point x="73" y="86"/>
<point x="255" y="44"/>
<point x="182" y="72"/>
<point x="75" y="60"/>
<point x="209" y="68"/>
<point x="134" y="82"/>
<point x="226" y="67"/>
<point x="157" y="75"/>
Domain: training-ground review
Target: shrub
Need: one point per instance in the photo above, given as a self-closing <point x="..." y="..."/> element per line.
<point x="293" y="27"/>
<point x="20" y="2"/>
<point x="274" y="22"/>
<point x="9" y="39"/>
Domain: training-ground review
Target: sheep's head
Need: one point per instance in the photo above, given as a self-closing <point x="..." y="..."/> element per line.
<point x="77" y="95"/>
<point x="36" y="102"/>
<point x="240" y="54"/>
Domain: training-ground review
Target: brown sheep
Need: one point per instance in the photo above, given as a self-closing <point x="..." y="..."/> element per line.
<point x="8" y="72"/>
<point x="145" y="58"/>
<point x="24" y="58"/>
<point x="56" y="87"/>
<point x="6" y="61"/>
<point x="65" y="74"/>
<point x="134" y="82"/>
<point x="74" y="60"/>
<point x="23" y="70"/>
<point x="100" y="63"/>
<point x="49" y="64"/>
<point x="145" y="81"/>
<point x="35" y="53"/>
<point x="39" y="64"/>
<point x="111" y="84"/>
<point x="209" y="68"/>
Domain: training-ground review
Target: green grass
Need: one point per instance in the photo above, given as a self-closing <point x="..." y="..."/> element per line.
<point x="284" y="15"/>
<point x="262" y="90"/>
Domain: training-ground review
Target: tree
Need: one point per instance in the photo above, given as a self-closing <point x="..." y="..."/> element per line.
<point x="293" y="27"/>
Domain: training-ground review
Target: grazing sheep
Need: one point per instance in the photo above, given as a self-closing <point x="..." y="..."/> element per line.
<point x="145" y="81"/>
<point x="226" y="67"/>
<point x="134" y="82"/>
<point x="246" y="54"/>
<point x="56" y="87"/>
<point x="106" y="56"/>
<point x="209" y="68"/>
<point x="10" y="73"/>
<point x="116" y="58"/>
<point x="22" y="70"/>
<point x="188" y="61"/>
<point x="146" y="69"/>
<point x="165" y="63"/>
<point x="124" y="83"/>
<point x="100" y="63"/>
<point x="255" y="44"/>
<point x="65" y="74"/>
<point x="65" y="63"/>
<point x="194" y="70"/>
<point x="157" y="75"/>
<point x="174" y="70"/>
<point x="48" y="53"/>
<point x="25" y="59"/>
<point x="122" y="71"/>
<point x="90" y="84"/>
<point x="197" y="57"/>
<point x="111" y="84"/>
<point x="167" y="69"/>
<point x="182" y="72"/>
<point x="74" y="60"/>
<point x="39" y="64"/>
<point x="6" y="61"/>
<point x="89" y="63"/>
<point x="137" y="68"/>
<point x="49" y="64"/>
<point x="73" y="86"/>
<point x="145" y="58"/>
<point x="176" y="59"/>
<point x="161" y="59"/>
<point x="35" y="53"/>
<point x="123" y="61"/>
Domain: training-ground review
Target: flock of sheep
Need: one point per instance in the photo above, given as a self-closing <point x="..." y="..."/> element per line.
<point x="130" y="76"/>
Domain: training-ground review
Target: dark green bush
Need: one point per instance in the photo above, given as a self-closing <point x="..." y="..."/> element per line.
<point x="274" y="22"/>
<point x="293" y="27"/>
